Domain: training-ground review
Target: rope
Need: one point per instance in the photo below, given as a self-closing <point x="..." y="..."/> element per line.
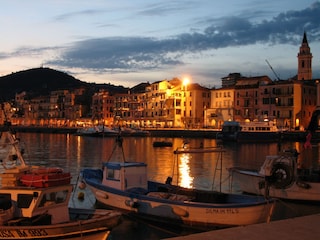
<point x="118" y="143"/>
<point x="288" y="206"/>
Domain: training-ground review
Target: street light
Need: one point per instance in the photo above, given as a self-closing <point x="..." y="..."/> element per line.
<point x="186" y="82"/>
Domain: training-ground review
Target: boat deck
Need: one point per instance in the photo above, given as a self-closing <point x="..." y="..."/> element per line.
<point x="299" y="228"/>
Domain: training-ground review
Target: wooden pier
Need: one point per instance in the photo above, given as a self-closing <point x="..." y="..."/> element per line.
<point x="300" y="228"/>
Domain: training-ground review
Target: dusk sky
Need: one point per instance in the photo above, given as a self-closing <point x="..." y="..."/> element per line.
<point x="127" y="42"/>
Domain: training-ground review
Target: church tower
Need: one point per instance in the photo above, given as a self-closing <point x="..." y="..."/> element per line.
<point x="304" y="60"/>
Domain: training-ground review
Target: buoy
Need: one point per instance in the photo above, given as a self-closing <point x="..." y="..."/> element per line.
<point x="82" y="185"/>
<point x="180" y="211"/>
<point x="81" y="196"/>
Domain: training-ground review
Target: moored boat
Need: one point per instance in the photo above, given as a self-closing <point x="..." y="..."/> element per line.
<point x="124" y="186"/>
<point x="97" y="131"/>
<point x="34" y="201"/>
<point x="254" y="131"/>
<point x="162" y="144"/>
<point x="279" y="177"/>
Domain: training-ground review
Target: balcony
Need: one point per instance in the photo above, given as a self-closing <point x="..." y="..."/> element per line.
<point x="284" y="105"/>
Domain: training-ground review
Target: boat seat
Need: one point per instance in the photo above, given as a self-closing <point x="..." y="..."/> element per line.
<point x="169" y="196"/>
<point x="214" y="197"/>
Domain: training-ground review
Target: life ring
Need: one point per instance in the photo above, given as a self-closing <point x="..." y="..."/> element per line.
<point x="281" y="176"/>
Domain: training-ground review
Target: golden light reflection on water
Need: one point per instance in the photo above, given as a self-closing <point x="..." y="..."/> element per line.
<point x="78" y="144"/>
<point x="184" y="171"/>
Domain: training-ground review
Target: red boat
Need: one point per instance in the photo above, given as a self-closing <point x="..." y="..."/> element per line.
<point x="45" y="177"/>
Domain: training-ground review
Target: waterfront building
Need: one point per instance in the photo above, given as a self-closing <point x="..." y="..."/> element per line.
<point x="165" y="104"/>
<point x="247" y="94"/>
<point x="102" y="108"/>
<point x="162" y="104"/>
<point x="222" y="107"/>
<point x="196" y="101"/>
<point x="291" y="102"/>
<point x="230" y="80"/>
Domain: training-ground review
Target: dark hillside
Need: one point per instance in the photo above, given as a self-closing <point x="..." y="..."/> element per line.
<point x="37" y="81"/>
<point x="41" y="81"/>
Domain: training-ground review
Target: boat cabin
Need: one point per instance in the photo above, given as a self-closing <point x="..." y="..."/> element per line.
<point x="28" y="202"/>
<point x="266" y="126"/>
<point x="231" y="126"/>
<point x="30" y="194"/>
<point x="125" y="175"/>
<point x="230" y="130"/>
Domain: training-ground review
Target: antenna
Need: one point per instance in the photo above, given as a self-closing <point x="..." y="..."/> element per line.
<point x="273" y="70"/>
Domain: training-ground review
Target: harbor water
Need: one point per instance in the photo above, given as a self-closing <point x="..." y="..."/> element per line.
<point x="192" y="170"/>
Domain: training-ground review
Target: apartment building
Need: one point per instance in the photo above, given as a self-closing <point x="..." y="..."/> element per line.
<point x="221" y="107"/>
<point x="166" y="103"/>
<point x="102" y="108"/>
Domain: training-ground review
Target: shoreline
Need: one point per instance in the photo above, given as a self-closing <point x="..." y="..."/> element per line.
<point x="299" y="136"/>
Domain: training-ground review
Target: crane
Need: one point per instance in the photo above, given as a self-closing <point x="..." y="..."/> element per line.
<point x="273" y="70"/>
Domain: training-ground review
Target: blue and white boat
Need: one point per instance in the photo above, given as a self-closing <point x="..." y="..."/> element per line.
<point x="124" y="186"/>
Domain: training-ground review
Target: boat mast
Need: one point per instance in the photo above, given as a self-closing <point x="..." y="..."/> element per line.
<point x="8" y="137"/>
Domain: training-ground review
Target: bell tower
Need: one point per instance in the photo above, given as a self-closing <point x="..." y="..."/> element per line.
<point x="304" y="60"/>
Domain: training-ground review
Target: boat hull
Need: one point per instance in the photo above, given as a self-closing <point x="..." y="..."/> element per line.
<point x="179" y="210"/>
<point x="250" y="132"/>
<point x="162" y="144"/>
<point x="250" y="181"/>
<point x="258" y="136"/>
<point x="94" y="228"/>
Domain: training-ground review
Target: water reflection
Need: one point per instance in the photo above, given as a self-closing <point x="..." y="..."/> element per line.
<point x="194" y="170"/>
<point x="185" y="179"/>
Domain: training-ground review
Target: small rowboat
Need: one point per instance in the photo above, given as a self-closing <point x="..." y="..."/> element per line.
<point x="162" y="144"/>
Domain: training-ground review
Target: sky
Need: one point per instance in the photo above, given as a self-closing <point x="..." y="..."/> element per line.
<point x="127" y="42"/>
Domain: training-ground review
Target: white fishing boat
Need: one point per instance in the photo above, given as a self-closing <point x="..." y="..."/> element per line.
<point x="254" y="131"/>
<point x="124" y="186"/>
<point x="97" y="131"/>
<point x="279" y="177"/>
<point x="34" y="201"/>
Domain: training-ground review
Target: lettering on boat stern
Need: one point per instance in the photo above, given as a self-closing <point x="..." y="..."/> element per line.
<point x="6" y="233"/>
<point x="222" y="210"/>
<point x="22" y="233"/>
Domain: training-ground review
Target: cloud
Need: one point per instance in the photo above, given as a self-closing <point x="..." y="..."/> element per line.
<point x="88" y="12"/>
<point x="164" y="8"/>
<point x="141" y="53"/>
<point x="119" y="54"/>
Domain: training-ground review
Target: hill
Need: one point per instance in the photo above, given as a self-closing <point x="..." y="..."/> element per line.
<point x="41" y="81"/>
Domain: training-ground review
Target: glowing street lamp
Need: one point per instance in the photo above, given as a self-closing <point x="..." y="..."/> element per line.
<point x="185" y="83"/>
